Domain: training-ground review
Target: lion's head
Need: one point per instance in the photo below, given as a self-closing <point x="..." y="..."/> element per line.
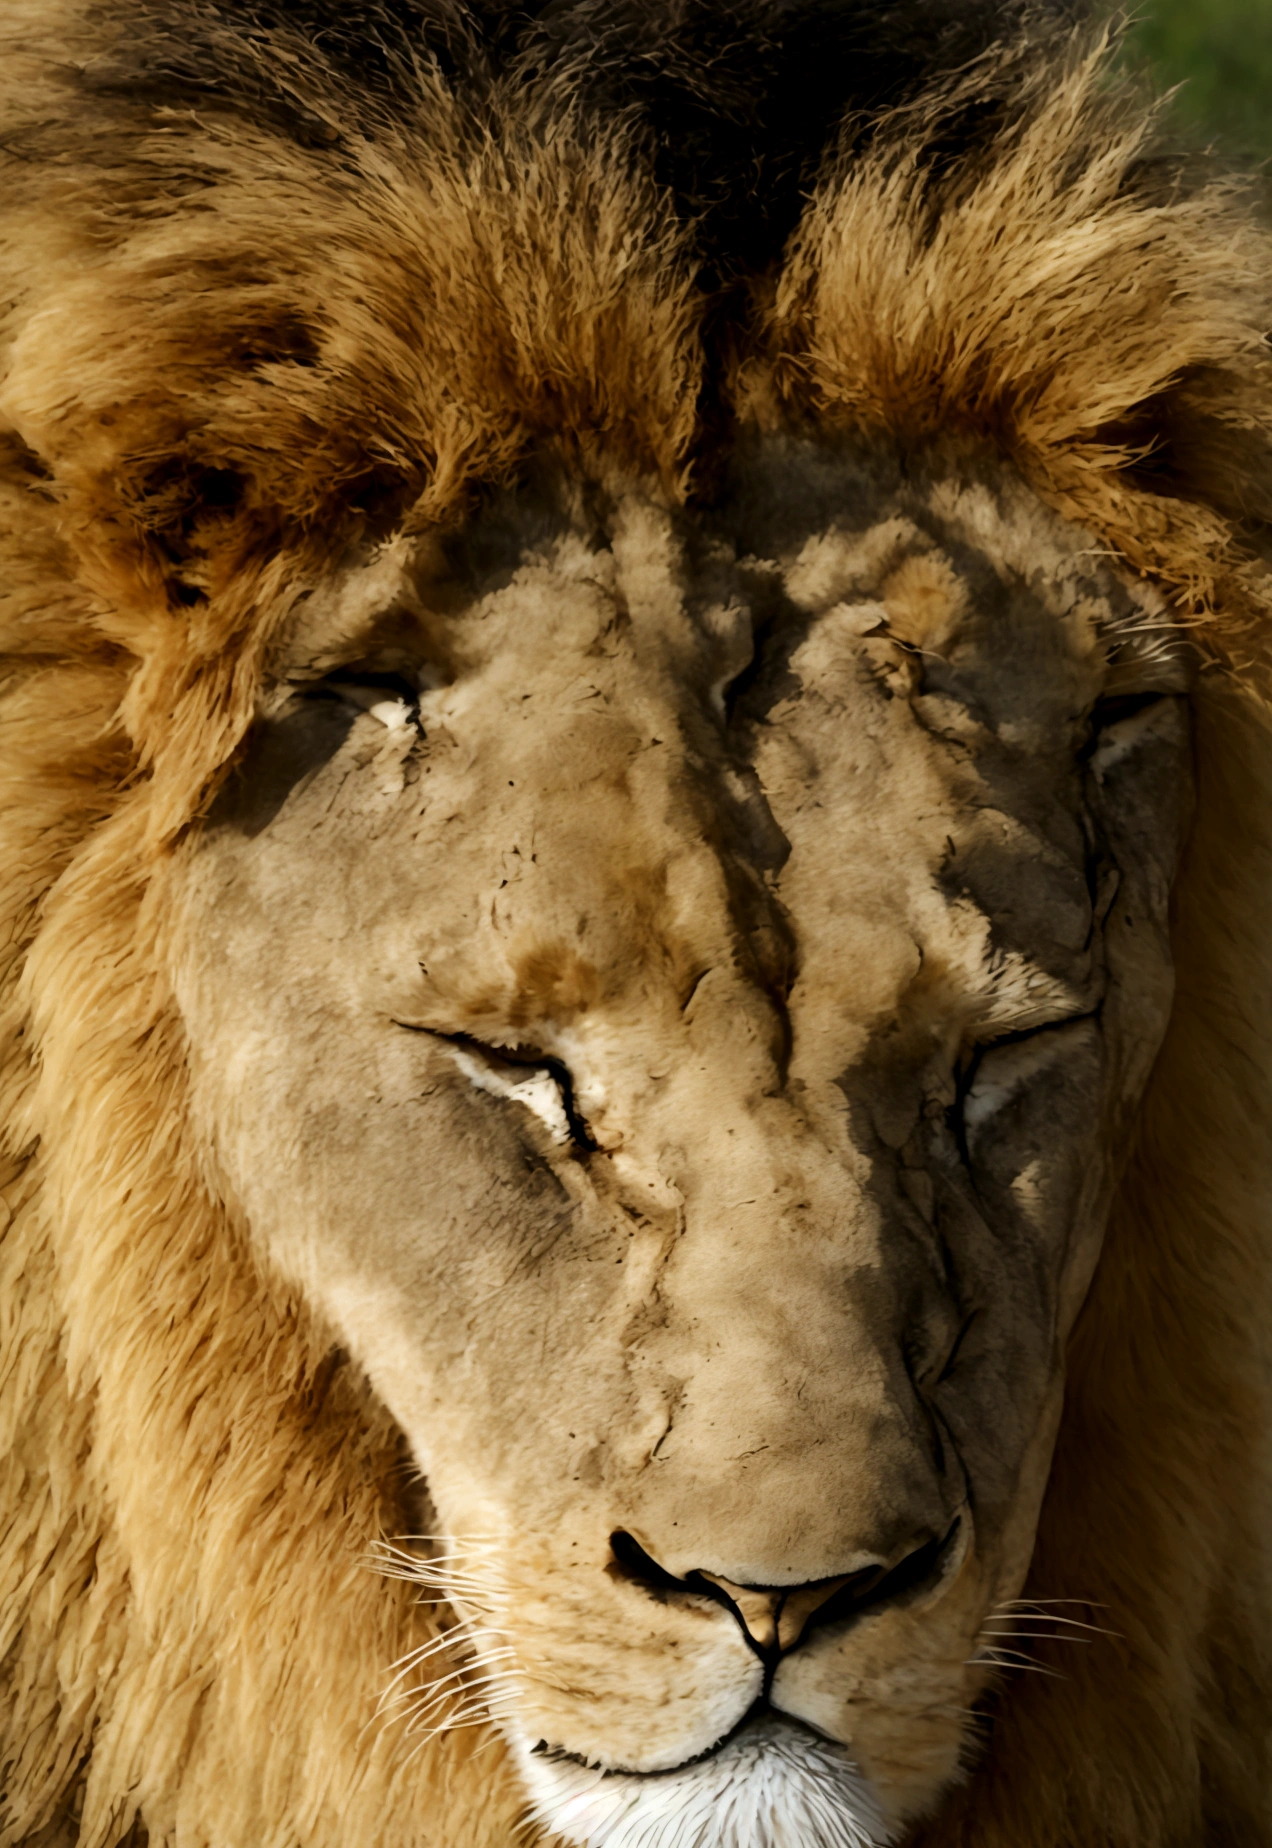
<point x="638" y="808"/>
<point x="672" y="990"/>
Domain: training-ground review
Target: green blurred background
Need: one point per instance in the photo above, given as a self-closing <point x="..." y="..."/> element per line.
<point x="1221" y="52"/>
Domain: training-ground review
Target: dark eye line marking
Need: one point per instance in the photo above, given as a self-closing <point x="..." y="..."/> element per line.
<point x="694" y="986"/>
<point x="764" y="626"/>
<point x="951" y="1359"/>
<point x="395" y="685"/>
<point x="530" y="1058"/>
<point x="965" y="1072"/>
<point x="1112" y="709"/>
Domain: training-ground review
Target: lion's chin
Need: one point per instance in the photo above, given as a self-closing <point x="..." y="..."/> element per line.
<point x="774" y="1785"/>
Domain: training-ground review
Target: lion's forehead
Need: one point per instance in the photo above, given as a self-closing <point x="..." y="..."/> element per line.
<point x="911" y="678"/>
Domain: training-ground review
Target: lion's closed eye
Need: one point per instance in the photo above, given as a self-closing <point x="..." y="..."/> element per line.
<point x="525" y="1076"/>
<point x="1002" y="1070"/>
<point x="534" y="1087"/>
<point x="391" y="698"/>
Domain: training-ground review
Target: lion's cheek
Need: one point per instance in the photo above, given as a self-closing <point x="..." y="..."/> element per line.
<point x="618" y="1684"/>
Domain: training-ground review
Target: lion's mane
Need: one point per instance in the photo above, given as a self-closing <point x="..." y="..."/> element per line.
<point x="277" y="281"/>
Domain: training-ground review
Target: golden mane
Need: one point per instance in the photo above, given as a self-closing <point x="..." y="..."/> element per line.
<point x="231" y="357"/>
<point x="1071" y="298"/>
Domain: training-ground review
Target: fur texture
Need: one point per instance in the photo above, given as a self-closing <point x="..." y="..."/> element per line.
<point x="275" y="294"/>
<point x="742" y="1795"/>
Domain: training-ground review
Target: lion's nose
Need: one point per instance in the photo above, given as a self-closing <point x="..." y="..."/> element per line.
<point x="774" y="1618"/>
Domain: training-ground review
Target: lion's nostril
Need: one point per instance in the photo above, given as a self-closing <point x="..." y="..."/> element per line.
<point x="919" y="1568"/>
<point x="775" y="1618"/>
<point x="631" y="1561"/>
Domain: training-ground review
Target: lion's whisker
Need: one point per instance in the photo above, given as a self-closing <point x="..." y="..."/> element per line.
<point x="1034" y="1636"/>
<point x="467" y="1713"/>
<point x="439" y="1643"/>
<point x="443" y="1690"/>
<point x="389" y="1698"/>
<point x="1011" y="1659"/>
<point x="436" y="1692"/>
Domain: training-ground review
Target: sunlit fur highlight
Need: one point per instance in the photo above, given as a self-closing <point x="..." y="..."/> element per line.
<point x="151" y="1380"/>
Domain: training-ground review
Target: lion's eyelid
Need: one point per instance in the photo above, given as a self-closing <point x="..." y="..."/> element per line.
<point x="535" y="1088"/>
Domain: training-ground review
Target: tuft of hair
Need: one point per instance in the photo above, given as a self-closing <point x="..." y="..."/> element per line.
<point x="1049" y="279"/>
<point x="284" y="276"/>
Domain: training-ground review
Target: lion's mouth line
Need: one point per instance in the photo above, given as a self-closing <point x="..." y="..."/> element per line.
<point x="760" y="1709"/>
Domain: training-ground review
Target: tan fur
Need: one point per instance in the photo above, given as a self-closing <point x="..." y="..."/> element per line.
<point x="525" y="293"/>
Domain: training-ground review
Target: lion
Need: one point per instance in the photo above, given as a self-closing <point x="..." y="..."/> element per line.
<point x="637" y="841"/>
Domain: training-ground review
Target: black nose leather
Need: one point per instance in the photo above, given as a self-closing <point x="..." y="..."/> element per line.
<point x="775" y="1618"/>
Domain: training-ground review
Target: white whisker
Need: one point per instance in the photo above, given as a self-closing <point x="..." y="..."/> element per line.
<point x="1012" y="1659"/>
<point x="1034" y="1636"/>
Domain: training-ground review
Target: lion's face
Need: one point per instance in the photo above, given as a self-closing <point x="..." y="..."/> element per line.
<point x="685" y="1051"/>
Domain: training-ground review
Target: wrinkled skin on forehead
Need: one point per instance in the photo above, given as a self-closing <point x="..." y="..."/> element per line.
<point x="688" y="1059"/>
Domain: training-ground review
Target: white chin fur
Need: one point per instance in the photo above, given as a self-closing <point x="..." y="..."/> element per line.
<point x="774" y="1786"/>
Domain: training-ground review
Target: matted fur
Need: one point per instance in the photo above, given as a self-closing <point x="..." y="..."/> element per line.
<point x="233" y="350"/>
